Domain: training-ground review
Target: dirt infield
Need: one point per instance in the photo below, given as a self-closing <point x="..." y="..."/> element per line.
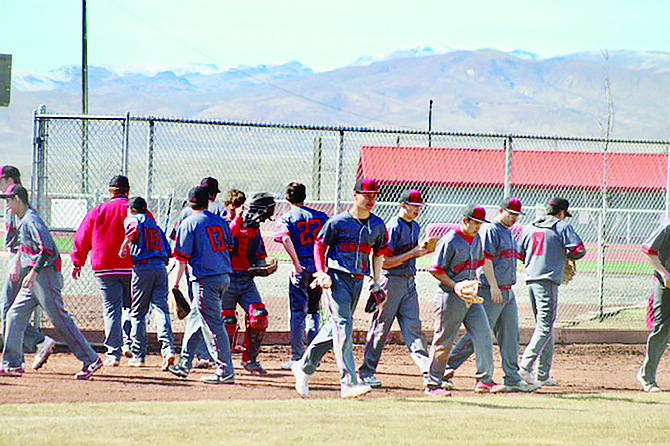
<point x="580" y="369"/>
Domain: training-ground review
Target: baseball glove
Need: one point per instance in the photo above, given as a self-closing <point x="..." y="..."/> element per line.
<point x="467" y="290"/>
<point x="183" y="307"/>
<point x="263" y="268"/>
<point x="429" y="244"/>
<point x="377" y="296"/>
<point x="569" y="271"/>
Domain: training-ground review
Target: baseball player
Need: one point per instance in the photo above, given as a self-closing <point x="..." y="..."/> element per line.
<point x="42" y="284"/>
<point x="149" y="251"/>
<point x="203" y="240"/>
<point x="211" y="185"/>
<point x="102" y="233"/>
<point x="342" y="259"/>
<point x="296" y="231"/>
<point x="454" y="264"/>
<point x="33" y="338"/>
<point x="496" y="278"/>
<point x="543" y="246"/>
<point x="402" y="301"/>
<point x="657" y="248"/>
<point x="248" y="250"/>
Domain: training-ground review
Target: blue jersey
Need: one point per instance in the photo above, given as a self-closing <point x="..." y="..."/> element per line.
<point x="213" y="207"/>
<point x="204" y="240"/>
<point x="458" y="256"/>
<point x="302" y="224"/>
<point x="350" y="242"/>
<point x="148" y="240"/>
<point x="543" y="246"/>
<point x="403" y="237"/>
<point x="499" y="247"/>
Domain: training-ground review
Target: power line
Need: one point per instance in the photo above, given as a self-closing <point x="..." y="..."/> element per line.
<point x="249" y="75"/>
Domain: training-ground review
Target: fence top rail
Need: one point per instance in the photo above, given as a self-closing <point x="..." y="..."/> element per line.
<point x="333" y="128"/>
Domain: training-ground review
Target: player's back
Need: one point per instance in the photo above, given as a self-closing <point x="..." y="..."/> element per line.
<point x="543" y="249"/>
<point x="302" y="224"/>
<point x="151" y="242"/>
<point x="205" y="239"/>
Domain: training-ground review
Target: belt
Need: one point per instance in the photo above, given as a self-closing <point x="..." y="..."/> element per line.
<point x="152" y="261"/>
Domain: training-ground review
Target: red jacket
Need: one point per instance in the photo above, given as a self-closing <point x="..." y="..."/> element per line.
<point x="102" y="233"/>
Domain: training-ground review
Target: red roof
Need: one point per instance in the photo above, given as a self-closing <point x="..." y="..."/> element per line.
<point x="448" y="166"/>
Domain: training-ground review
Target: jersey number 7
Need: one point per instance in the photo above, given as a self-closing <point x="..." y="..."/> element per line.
<point x="538" y="243"/>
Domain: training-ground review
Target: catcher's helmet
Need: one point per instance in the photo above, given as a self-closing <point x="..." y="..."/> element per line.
<point x="260" y="208"/>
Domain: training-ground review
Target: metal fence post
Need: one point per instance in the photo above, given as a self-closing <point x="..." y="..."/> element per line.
<point x="150" y="158"/>
<point x="338" y="173"/>
<point x="508" y="166"/>
<point x="316" y="168"/>
<point x="84" y="156"/>
<point x="126" y="142"/>
<point x="38" y="177"/>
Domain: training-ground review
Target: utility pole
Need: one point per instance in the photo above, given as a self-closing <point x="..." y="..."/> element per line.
<point x="430" y="122"/>
<point x="84" y="60"/>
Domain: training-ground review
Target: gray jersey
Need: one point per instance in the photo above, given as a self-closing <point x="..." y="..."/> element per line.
<point x="11" y="231"/>
<point x="36" y="246"/>
<point x="458" y="256"/>
<point x="658" y="243"/>
<point x="499" y="247"/>
<point x="544" y="245"/>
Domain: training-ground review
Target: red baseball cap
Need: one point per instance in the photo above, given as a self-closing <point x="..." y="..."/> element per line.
<point x="512" y="205"/>
<point x="412" y="196"/>
<point x="366" y="186"/>
<point x="475" y="213"/>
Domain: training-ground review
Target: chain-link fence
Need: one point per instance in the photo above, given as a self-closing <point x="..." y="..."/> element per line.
<point x="618" y="191"/>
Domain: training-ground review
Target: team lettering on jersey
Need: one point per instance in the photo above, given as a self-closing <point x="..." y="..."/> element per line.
<point x="470" y="264"/>
<point x="353" y="247"/>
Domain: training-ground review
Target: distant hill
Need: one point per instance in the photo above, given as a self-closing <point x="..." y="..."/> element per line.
<point x="473" y="91"/>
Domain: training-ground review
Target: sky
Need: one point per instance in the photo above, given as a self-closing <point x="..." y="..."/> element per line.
<point x="323" y="35"/>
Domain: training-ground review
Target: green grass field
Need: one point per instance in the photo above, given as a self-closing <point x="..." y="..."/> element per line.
<point x="606" y="419"/>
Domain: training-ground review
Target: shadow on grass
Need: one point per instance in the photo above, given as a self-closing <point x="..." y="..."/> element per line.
<point x="613" y="398"/>
<point x="482" y="405"/>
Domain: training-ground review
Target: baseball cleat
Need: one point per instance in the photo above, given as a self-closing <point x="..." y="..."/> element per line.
<point x="527" y="376"/>
<point x="484" y="387"/>
<point x="218" y="379"/>
<point x="89" y="370"/>
<point x="6" y="370"/>
<point x="547" y="382"/>
<point x="43" y="352"/>
<point x="136" y="362"/>
<point x="437" y="392"/>
<point x="255" y="368"/>
<point x="521" y="386"/>
<point x="112" y="361"/>
<point x="301" y="379"/>
<point x="203" y="364"/>
<point x="371" y="381"/>
<point x="168" y="361"/>
<point x="353" y="390"/>
<point x="647" y="386"/>
<point x="178" y="370"/>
